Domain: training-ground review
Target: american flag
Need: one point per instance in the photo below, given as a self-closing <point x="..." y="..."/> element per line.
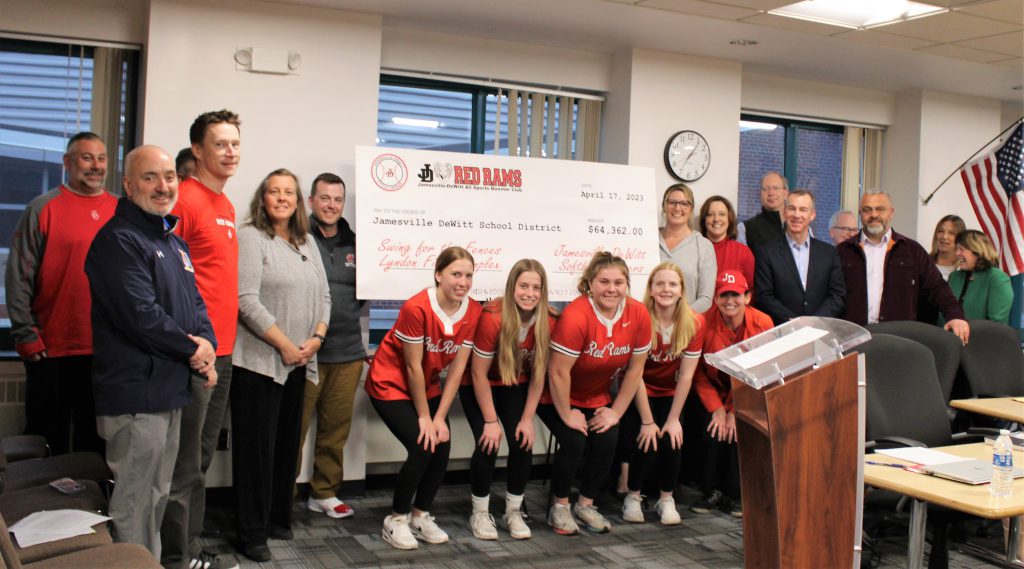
<point x="995" y="185"/>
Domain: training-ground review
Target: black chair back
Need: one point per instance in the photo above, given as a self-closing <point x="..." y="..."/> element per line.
<point x="903" y="395"/>
<point x="946" y="348"/>
<point x="993" y="363"/>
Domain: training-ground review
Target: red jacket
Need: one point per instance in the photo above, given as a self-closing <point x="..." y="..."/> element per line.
<point x="910" y="277"/>
<point x="714" y="387"/>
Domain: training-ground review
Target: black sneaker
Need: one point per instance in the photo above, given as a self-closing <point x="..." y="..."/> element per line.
<point x="208" y="560"/>
<point x="281" y="533"/>
<point x="735" y="508"/>
<point x="711" y="501"/>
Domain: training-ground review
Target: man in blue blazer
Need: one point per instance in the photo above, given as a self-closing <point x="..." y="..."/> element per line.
<point x="798" y="275"/>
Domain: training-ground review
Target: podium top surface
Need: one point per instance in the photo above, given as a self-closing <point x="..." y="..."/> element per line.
<point x="787" y="349"/>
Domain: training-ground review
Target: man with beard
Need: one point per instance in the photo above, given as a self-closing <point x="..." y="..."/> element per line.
<point x="340" y="360"/>
<point x="150" y="334"/>
<point x="48" y="298"/>
<point x="887" y="273"/>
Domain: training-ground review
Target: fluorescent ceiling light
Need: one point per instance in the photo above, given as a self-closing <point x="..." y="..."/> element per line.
<point x="422" y="123"/>
<point x="860" y="14"/>
<point x="751" y="125"/>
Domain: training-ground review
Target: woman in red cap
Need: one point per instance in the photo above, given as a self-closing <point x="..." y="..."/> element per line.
<point x="730" y="321"/>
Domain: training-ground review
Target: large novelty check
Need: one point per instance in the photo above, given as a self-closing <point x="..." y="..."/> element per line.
<point x="413" y="203"/>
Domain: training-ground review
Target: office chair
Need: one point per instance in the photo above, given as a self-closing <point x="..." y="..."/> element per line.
<point x="946" y="348"/>
<point x="993" y="363"/>
<point x="906" y="407"/>
<point x="103" y="555"/>
<point x="21" y="447"/>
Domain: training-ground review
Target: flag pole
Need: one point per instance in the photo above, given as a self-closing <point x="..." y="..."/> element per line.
<point x="925" y="201"/>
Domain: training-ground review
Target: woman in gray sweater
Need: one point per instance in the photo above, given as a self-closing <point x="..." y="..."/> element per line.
<point x="284" y="306"/>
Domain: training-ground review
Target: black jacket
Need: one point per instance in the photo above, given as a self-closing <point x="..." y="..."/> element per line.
<point x="344" y="335"/>
<point x="144" y="305"/>
<point x="763" y="228"/>
<point x="777" y="282"/>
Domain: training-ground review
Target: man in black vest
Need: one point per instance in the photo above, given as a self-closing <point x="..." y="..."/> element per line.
<point x="766" y="226"/>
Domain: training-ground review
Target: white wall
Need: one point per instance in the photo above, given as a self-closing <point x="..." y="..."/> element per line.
<point x="952" y="128"/>
<point x="120" y="21"/>
<point x="309" y="122"/>
<point x="669" y="93"/>
<point x="901" y="161"/>
<point x="485" y="58"/>
<point x="814" y="100"/>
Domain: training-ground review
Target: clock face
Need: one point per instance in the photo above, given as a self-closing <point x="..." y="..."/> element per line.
<point x="687" y="155"/>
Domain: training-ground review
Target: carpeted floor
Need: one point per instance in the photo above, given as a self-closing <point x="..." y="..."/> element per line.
<point x="707" y="541"/>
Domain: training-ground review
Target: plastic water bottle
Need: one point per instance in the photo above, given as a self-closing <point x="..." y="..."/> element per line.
<point x="1002" y="466"/>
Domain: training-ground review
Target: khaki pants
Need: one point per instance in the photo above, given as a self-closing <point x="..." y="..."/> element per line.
<point x="333" y="400"/>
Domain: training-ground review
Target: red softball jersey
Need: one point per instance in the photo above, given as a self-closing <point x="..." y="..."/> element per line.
<point x="485" y="345"/>
<point x="662" y="366"/>
<point x="421" y="321"/>
<point x="601" y="346"/>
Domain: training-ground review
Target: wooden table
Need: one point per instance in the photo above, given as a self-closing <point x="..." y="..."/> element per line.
<point x="1008" y="408"/>
<point x="972" y="499"/>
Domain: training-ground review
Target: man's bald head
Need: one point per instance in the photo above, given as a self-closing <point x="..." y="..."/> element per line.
<point x="150" y="179"/>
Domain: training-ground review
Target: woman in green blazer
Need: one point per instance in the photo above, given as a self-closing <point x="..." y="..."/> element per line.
<point x="981" y="287"/>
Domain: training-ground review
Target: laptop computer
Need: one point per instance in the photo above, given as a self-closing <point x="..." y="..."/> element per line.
<point x="968" y="471"/>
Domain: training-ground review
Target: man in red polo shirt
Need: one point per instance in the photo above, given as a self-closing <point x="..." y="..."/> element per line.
<point x="49" y="302"/>
<point x="207" y="224"/>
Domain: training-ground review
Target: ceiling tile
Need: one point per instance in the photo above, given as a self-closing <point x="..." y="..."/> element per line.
<point x="1008" y="44"/>
<point x="949" y="27"/>
<point x="959" y="52"/>
<point x="880" y="38"/>
<point x="1006" y="10"/>
<point x="1015" y="63"/>
<point x="700" y="8"/>
<point x="947" y="3"/>
<point x="755" y="4"/>
<point x="793" y="24"/>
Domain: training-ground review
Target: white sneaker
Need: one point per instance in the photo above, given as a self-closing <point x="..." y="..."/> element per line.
<point x="482" y="524"/>
<point x="397" y="533"/>
<point x="560" y="520"/>
<point x="424" y="527"/>
<point x="332" y="506"/>
<point x="632" y="509"/>
<point x="591" y="518"/>
<point x="666" y="508"/>
<point x="515" y="521"/>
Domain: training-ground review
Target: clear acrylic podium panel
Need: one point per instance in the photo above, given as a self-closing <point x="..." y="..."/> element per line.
<point x="790" y="348"/>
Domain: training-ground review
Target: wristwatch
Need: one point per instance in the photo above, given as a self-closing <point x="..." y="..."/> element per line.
<point x="321" y="338"/>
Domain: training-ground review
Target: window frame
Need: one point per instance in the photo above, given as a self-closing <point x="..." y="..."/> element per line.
<point x="62" y="47"/>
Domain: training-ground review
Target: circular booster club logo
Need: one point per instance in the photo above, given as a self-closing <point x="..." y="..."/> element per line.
<point x="389" y="172"/>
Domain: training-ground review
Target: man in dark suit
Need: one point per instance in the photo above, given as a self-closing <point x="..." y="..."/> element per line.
<point x="798" y="275"/>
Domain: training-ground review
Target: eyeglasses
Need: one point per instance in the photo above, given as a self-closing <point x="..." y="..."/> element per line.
<point x="846" y="229"/>
<point x="772" y="188"/>
<point x="677" y="203"/>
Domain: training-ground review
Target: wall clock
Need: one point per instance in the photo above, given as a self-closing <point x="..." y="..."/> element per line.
<point x="687" y="155"/>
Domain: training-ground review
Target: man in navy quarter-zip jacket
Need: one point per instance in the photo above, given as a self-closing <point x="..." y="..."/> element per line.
<point x="150" y="332"/>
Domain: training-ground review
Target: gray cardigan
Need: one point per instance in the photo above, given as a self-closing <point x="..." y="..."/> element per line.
<point x="277" y="284"/>
<point x="696" y="256"/>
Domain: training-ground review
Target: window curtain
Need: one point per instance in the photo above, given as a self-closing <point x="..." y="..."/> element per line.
<point x="540" y="125"/>
<point x="108" y="96"/>
<point x="862" y="163"/>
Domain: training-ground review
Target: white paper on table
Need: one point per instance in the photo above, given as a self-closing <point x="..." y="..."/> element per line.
<point x="54" y="525"/>
<point x="920" y="455"/>
<point x="776" y="348"/>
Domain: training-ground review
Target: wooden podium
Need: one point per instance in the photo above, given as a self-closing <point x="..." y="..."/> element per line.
<point x="799" y="451"/>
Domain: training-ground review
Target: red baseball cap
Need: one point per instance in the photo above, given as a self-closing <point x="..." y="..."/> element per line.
<point x="731" y="281"/>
